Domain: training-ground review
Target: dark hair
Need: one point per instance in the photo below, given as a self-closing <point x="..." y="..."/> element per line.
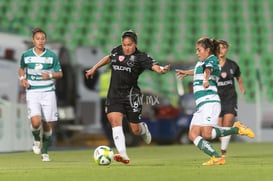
<point x="38" y="30"/>
<point x="213" y="44"/>
<point x="131" y="34"/>
<point x="223" y="42"/>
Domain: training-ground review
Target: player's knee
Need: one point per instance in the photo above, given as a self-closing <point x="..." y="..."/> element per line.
<point x="206" y="135"/>
<point x="191" y="136"/>
<point x="136" y="130"/>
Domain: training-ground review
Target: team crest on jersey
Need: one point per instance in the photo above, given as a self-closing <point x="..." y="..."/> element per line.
<point x="121" y="58"/>
<point x="131" y="61"/>
<point x="47" y="60"/>
<point x="224" y="74"/>
<point x="38" y="66"/>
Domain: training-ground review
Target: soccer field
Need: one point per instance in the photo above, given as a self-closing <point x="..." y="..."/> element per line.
<point x="246" y="161"/>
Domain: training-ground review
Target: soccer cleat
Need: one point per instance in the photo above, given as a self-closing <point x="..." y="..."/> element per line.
<point x="36" y="147"/>
<point x="119" y="158"/>
<point x="243" y="129"/>
<point x="215" y="161"/>
<point x="45" y="157"/>
<point x="147" y="137"/>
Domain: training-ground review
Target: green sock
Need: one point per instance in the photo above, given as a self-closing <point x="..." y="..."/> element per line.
<point x="46" y="143"/>
<point x="36" y="135"/>
<point x="207" y="148"/>
<point x="225" y="132"/>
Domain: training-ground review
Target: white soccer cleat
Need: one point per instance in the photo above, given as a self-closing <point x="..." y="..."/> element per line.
<point x="147" y="137"/>
<point x="45" y="158"/>
<point x="36" y="147"/>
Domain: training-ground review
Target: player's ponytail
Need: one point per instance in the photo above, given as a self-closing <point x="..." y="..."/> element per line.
<point x="215" y="47"/>
<point x="212" y="44"/>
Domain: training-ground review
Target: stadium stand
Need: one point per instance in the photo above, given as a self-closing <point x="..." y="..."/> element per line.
<point x="167" y="29"/>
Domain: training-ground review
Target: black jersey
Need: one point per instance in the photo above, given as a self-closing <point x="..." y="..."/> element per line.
<point x="226" y="83"/>
<point x="125" y="72"/>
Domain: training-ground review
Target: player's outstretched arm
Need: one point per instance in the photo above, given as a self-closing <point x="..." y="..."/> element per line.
<point x="90" y="73"/>
<point x="183" y="73"/>
<point x="161" y="69"/>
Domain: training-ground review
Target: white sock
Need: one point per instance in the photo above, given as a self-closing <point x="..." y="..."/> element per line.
<point x="225" y="140"/>
<point x="49" y="133"/>
<point x="213" y="134"/>
<point x="35" y="129"/>
<point x="196" y="140"/>
<point x="119" y="140"/>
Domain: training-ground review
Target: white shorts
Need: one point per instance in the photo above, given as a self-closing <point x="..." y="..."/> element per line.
<point x="42" y="104"/>
<point x="207" y="115"/>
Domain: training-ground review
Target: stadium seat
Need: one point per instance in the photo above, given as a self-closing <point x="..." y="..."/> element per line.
<point x="249" y="73"/>
<point x="169" y="87"/>
<point x="149" y="82"/>
<point x="266" y="74"/>
<point x="167" y="30"/>
<point x="4" y="3"/>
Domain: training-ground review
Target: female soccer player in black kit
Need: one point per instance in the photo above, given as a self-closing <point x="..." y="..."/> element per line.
<point x="127" y="63"/>
<point x="227" y="92"/>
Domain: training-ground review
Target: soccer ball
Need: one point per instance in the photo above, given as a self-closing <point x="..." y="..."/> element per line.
<point x="103" y="155"/>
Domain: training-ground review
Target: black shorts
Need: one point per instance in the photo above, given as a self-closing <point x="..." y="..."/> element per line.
<point x="229" y="109"/>
<point x="131" y="109"/>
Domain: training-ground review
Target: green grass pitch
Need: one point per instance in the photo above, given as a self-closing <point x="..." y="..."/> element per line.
<point x="245" y="161"/>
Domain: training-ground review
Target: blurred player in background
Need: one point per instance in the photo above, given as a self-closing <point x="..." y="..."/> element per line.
<point x="104" y="78"/>
<point x="127" y="63"/>
<point x="204" y="122"/>
<point x="38" y="69"/>
<point x="187" y="102"/>
<point x="227" y="92"/>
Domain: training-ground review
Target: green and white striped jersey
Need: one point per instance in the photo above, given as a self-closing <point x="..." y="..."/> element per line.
<point x="210" y="94"/>
<point x="47" y="62"/>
